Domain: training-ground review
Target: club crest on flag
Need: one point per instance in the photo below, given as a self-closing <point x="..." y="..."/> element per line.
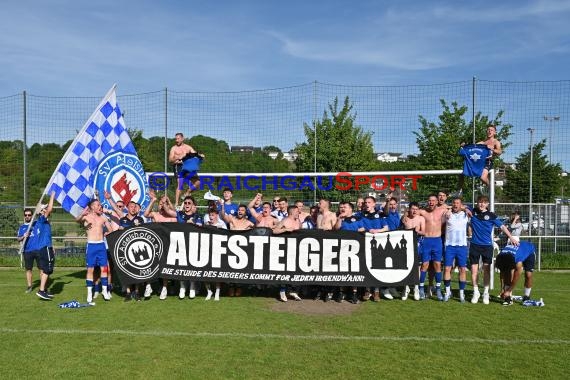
<point x="101" y="157"/>
<point x="123" y="176"/>
<point x="390" y="255"/>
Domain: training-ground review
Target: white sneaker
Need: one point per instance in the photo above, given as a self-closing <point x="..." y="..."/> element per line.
<point x="192" y="294"/>
<point x="95" y="295"/>
<point x="106" y="295"/>
<point x="217" y="295"/>
<point x="209" y="295"/>
<point x="282" y="296"/>
<point x="163" y="293"/>
<point x="295" y="296"/>
<point x="182" y="293"/>
<point x="476" y="296"/>
<point x="147" y="291"/>
<point x="416" y="293"/>
<point x="406" y="293"/>
<point x="386" y="294"/>
<point x="485" y="298"/>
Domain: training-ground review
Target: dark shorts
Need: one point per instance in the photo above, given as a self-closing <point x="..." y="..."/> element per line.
<point x="29" y="258"/>
<point x="477" y="252"/>
<point x="488" y="164"/>
<point x="46" y="259"/>
<point x="506" y="261"/>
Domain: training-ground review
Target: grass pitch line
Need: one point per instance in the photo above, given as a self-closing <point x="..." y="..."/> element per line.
<point x="289" y="337"/>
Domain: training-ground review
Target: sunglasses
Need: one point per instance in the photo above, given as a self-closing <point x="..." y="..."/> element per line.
<point x="188" y="203"/>
<point x="27" y="214"/>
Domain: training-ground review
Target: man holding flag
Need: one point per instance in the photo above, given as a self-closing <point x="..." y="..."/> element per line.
<point x="101" y="158"/>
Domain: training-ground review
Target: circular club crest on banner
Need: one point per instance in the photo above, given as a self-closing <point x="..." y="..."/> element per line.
<point x="137" y="253"/>
<point x="123" y="176"/>
<point x="390" y="256"/>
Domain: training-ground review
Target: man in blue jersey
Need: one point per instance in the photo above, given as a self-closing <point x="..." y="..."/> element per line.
<point x="482" y="223"/>
<point x="46" y="257"/>
<point x="373" y="222"/>
<point x="394" y="221"/>
<point x="511" y="262"/>
<point x="348" y="221"/>
<point x="30" y="254"/>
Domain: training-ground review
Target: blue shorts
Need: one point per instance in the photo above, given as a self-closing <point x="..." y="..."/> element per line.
<point x="456" y="252"/>
<point x="432" y="249"/>
<point x="96" y="255"/>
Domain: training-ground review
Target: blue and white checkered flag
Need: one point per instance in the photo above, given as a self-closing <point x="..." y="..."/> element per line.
<point x="103" y="135"/>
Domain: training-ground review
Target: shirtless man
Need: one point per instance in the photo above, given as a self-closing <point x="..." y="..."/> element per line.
<point x="160" y="216"/>
<point x="96" y="252"/>
<point x="177" y="154"/>
<point x="288" y="224"/>
<point x="263" y="219"/>
<point x="432" y="248"/>
<point x="413" y="220"/>
<point x="327" y="219"/>
<point x="303" y="214"/>
<point x="238" y="222"/>
<point x="495" y="146"/>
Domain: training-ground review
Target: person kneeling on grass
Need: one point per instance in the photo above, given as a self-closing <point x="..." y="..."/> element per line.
<point x="511" y="262"/>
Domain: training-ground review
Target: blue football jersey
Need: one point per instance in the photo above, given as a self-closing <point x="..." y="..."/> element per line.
<point x="474" y="158"/>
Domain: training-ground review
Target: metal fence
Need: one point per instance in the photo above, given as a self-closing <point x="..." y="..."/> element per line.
<point x="31" y="125"/>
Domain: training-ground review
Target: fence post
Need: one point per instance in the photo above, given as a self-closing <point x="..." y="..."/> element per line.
<point x="539" y="252"/>
<point x="165" y="129"/>
<point x="315" y="138"/>
<point x="25" y="150"/>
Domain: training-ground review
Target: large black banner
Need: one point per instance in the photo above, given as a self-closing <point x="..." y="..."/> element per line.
<point x="187" y="252"/>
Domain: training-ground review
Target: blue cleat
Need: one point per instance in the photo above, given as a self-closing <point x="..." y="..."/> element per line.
<point x="422" y="293"/>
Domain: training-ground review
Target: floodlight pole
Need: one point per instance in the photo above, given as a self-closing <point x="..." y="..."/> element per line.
<point x="550" y="119"/>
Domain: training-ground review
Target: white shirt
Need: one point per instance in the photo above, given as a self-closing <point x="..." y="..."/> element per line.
<point x="456" y="229"/>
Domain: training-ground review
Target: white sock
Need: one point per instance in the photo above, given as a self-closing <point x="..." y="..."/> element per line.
<point x="486" y="290"/>
<point x="475" y="289"/>
<point x="217" y="295"/>
<point x="461" y="292"/>
<point x="527" y="292"/>
<point x="448" y="289"/>
<point x="89" y="294"/>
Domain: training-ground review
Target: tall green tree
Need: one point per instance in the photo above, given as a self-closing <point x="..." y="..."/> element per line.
<point x="439" y="142"/>
<point x="546" y="177"/>
<point x="341" y="145"/>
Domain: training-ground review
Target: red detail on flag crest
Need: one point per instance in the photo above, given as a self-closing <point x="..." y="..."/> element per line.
<point x="122" y="187"/>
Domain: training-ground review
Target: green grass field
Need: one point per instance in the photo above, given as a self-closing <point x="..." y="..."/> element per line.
<point x="249" y="337"/>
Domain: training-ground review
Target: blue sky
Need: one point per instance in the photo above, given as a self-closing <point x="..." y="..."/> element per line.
<point x="79" y="48"/>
